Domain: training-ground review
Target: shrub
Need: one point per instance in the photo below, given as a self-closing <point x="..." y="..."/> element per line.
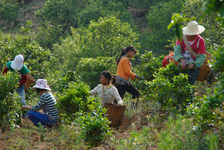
<point x="76" y="107"/>
<point x="149" y="65"/>
<point x="90" y="69"/>
<point x="170" y="88"/>
<point x="180" y="134"/>
<point x="106" y="37"/>
<point x="48" y="35"/>
<point x="95" y="128"/>
<point x="9" y="101"/>
<point x="73" y="100"/>
<point x="159" y="17"/>
<point x="60" y="12"/>
<point x="218" y="54"/>
<point x="207" y="110"/>
<point x="9" y="10"/>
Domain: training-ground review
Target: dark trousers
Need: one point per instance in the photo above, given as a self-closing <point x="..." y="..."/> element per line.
<point x="37" y="117"/>
<point x="192" y="75"/>
<point x="129" y="88"/>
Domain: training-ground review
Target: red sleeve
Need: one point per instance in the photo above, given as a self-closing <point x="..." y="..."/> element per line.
<point x="177" y="43"/>
<point x="201" y="47"/>
<point x="5" y="70"/>
<point x="23" y="80"/>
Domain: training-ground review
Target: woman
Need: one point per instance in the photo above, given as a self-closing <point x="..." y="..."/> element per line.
<point x="106" y="91"/>
<point x="124" y="73"/>
<point x="190" y="52"/>
<point x="47" y="102"/>
<point x="17" y="65"/>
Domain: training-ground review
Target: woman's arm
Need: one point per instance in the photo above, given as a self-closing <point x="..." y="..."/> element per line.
<point x="117" y="96"/>
<point x="94" y="91"/>
<point x="127" y="69"/>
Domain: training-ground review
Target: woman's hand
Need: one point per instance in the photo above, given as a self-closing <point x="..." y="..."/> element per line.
<point x="26" y="107"/>
<point x="183" y="64"/>
<point x="191" y="66"/>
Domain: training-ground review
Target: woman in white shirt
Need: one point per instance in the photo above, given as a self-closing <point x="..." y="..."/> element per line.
<point x="106" y="91"/>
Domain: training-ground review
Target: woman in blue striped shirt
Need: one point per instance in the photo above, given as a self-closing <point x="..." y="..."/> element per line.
<point x="47" y="103"/>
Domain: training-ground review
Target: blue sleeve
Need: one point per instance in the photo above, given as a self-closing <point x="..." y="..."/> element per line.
<point x="200" y="60"/>
<point x="177" y="53"/>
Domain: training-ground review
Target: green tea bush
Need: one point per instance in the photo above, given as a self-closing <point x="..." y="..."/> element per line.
<point x="90" y="68"/>
<point x="218" y="61"/>
<point x="180" y="134"/>
<point x="95" y="127"/>
<point x="9" y="101"/>
<point x="208" y="110"/>
<point x="170" y="88"/>
<point x="76" y="107"/>
<point x="73" y="100"/>
<point x="149" y="65"/>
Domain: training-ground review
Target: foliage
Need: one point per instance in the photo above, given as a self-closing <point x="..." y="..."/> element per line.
<point x="218" y="61"/>
<point x="106" y="37"/>
<point x="76" y="106"/>
<point x="208" y="109"/>
<point x="180" y="134"/>
<point x="9" y="9"/>
<point x="93" y="10"/>
<point x="73" y="100"/>
<point x="142" y="139"/>
<point x="9" y="101"/>
<point x="60" y="12"/>
<point x="170" y="88"/>
<point x="149" y="65"/>
<point x="159" y="16"/>
<point x="90" y="68"/>
<point x="95" y="127"/>
<point x="48" y="35"/>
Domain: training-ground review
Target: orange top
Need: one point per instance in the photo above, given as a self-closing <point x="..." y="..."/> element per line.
<point x="124" y="69"/>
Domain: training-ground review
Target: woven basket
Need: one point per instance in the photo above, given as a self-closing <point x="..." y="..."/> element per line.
<point x="204" y="69"/>
<point x="114" y="114"/>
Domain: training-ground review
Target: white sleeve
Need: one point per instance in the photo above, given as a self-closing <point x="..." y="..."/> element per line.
<point x="117" y="96"/>
<point x="95" y="90"/>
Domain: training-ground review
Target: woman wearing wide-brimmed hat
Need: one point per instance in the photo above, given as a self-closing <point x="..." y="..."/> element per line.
<point x="190" y="52"/>
<point x="17" y="65"/>
<point x="47" y="103"/>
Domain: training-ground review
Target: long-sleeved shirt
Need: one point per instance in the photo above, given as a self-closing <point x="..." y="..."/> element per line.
<point x="47" y="102"/>
<point x="124" y="69"/>
<point x="24" y="71"/>
<point x="107" y="94"/>
<point x="198" y="45"/>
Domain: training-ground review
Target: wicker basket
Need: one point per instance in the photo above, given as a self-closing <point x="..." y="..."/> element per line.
<point x="114" y="114"/>
<point x="204" y="69"/>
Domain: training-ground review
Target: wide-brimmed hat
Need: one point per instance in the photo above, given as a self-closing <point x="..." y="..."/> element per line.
<point x="193" y="28"/>
<point x="17" y="63"/>
<point x="42" y="84"/>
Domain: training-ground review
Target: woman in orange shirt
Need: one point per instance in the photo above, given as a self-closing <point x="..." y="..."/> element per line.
<point x="124" y="73"/>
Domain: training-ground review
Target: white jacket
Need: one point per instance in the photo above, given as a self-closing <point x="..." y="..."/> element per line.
<point x="107" y="94"/>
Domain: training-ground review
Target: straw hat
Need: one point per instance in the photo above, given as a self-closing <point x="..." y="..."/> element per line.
<point x="42" y="84"/>
<point x="17" y="63"/>
<point x="193" y="28"/>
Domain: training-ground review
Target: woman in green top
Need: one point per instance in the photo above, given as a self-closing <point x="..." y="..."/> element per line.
<point x="18" y="65"/>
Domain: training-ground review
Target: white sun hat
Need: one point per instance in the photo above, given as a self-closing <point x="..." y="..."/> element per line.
<point x="193" y="28"/>
<point x="42" y="84"/>
<point x="17" y="63"/>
